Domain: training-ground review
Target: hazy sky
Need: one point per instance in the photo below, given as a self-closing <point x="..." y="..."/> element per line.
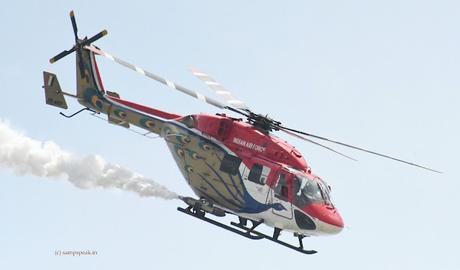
<point x="378" y="74"/>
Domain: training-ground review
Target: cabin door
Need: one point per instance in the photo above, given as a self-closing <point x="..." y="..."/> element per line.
<point x="280" y="195"/>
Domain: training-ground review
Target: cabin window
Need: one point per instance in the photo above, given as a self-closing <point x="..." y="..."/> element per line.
<point x="255" y="173"/>
<point x="281" y="188"/>
<point x="259" y="174"/>
<point x="230" y="164"/>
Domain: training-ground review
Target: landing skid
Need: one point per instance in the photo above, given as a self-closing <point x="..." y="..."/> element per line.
<point x="248" y="232"/>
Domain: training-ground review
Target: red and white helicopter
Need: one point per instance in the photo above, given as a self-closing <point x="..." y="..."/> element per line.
<point x="234" y="166"/>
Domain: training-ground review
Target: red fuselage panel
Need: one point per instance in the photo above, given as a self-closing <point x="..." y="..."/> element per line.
<point x="247" y="141"/>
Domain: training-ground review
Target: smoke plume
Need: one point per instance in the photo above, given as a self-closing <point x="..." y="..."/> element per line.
<point x="26" y="156"/>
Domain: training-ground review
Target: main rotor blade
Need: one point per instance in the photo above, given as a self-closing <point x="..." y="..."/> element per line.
<point x="74" y="25"/>
<point x="316" y="143"/>
<point x="219" y="89"/>
<point x="358" y="148"/>
<point x="159" y="79"/>
<point x="62" y="54"/>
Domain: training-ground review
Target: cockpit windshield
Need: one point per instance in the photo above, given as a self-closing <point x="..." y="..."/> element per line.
<point x="311" y="190"/>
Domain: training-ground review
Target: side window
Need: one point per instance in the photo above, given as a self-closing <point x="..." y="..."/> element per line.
<point x="255" y="173"/>
<point x="296" y="192"/>
<point x="281" y="188"/>
<point x="230" y="164"/>
<point x="259" y="174"/>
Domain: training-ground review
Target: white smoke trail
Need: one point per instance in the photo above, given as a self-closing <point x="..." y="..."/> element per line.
<point x="27" y="156"/>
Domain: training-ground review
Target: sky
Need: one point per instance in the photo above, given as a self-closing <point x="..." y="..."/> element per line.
<point x="377" y="74"/>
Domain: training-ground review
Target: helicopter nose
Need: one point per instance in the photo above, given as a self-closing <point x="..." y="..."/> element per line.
<point x="330" y="219"/>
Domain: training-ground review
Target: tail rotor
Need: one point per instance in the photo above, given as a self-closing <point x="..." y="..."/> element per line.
<point x="79" y="43"/>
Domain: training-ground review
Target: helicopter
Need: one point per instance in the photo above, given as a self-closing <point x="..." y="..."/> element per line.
<point x="234" y="165"/>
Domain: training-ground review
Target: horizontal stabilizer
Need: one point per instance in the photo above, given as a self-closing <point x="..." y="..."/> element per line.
<point x="53" y="92"/>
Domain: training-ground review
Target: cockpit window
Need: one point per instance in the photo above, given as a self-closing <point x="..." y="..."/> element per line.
<point x="324" y="188"/>
<point x="310" y="190"/>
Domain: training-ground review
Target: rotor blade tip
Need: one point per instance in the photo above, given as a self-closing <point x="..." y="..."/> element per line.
<point x="104" y="32"/>
<point x="71" y="14"/>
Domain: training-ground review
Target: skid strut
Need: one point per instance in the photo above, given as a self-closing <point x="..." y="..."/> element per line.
<point x="201" y="215"/>
<point x="274" y="238"/>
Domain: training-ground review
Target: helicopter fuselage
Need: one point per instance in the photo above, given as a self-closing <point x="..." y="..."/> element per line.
<point x="248" y="172"/>
<point x="228" y="162"/>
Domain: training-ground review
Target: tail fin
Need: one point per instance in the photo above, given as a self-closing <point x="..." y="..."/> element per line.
<point x="53" y="91"/>
<point x="88" y="77"/>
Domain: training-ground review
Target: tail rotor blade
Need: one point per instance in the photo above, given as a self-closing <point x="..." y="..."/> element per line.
<point x="74" y="25"/>
<point x="94" y="38"/>
<point x="159" y="79"/>
<point x="359" y="149"/>
<point x="62" y="54"/>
